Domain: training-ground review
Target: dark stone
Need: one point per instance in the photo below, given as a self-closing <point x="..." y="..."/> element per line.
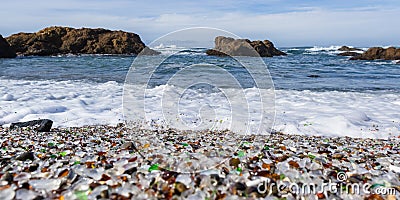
<point x="243" y="47"/>
<point x="240" y="186"/>
<point x="349" y="53"/>
<point x="130" y="171"/>
<point x="41" y="125"/>
<point x="346" y="48"/>
<point x="375" y="53"/>
<point x="8" y="177"/>
<point x="108" y="166"/>
<point x="66" y="40"/>
<point x="26" y="156"/>
<point x="149" y="52"/>
<point x="5" y="49"/>
<point x="266" y="48"/>
<point x="313" y="76"/>
<point x="398" y="62"/>
<point x="33" y="167"/>
<point x="213" y="52"/>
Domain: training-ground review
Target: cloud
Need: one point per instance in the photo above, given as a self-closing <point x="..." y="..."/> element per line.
<point x="287" y="23"/>
<point x="316" y="27"/>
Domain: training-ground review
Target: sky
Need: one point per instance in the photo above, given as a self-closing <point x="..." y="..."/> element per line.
<point x="360" y="23"/>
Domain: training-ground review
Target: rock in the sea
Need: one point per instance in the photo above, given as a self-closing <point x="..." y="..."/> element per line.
<point x="349" y="53"/>
<point x="149" y="52"/>
<point x="346" y="48"/>
<point x="243" y="47"/>
<point x="375" y="53"/>
<point x="41" y="125"/>
<point x="213" y="52"/>
<point x="66" y="40"/>
<point x="5" y="49"/>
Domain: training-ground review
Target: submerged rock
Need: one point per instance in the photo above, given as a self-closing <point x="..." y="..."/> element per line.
<point x="5" y="49"/>
<point x="66" y="40"/>
<point x="313" y="76"/>
<point x="349" y="53"/>
<point x="213" y="52"/>
<point x="375" y="53"/>
<point x="243" y="47"/>
<point x="149" y="52"/>
<point x="41" y="125"/>
<point x="346" y="48"/>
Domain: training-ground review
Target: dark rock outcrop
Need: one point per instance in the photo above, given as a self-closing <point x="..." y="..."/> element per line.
<point x="349" y="53"/>
<point x="375" y="53"/>
<point x="346" y="48"/>
<point x="147" y="51"/>
<point x="5" y="50"/>
<point x="243" y="47"/>
<point x="213" y="52"/>
<point x="66" y="40"/>
<point x="41" y="125"/>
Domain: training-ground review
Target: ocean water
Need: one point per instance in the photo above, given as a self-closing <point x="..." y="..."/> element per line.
<point x="316" y="91"/>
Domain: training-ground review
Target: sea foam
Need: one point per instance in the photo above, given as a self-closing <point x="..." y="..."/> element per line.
<point x="78" y="103"/>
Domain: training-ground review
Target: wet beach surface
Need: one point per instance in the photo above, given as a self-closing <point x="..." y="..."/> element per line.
<point x="103" y="162"/>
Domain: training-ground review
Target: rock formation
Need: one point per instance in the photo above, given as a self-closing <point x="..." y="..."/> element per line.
<point x="375" y="53"/>
<point x="41" y="125"/>
<point x="349" y="53"/>
<point x="5" y="50"/>
<point x="65" y="40"/>
<point x="243" y="47"/>
<point x="346" y="48"/>
<point x="213" y="52"/>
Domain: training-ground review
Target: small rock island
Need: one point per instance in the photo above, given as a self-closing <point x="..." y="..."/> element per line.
<point x="65" y="40"/>
<point x="375" y="53"/>
<point x="225" y="46"/>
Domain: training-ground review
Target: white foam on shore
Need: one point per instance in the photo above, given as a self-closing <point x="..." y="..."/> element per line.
<point x="77" y="103"/>
<point x="353" y="114"/>
<point x="67" y="103"/>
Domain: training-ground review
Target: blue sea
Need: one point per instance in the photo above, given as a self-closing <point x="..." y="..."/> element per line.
<point x="317" y="91"/>
<point x="305" y="68"/>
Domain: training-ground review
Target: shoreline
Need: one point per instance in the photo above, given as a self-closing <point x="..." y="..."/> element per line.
<point x="110" y="162"/>
<point x="78" y="103"/>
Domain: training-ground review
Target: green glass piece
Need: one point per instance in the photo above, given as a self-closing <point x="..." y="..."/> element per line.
<point x="81" y="195"/>
<point x="153" y="167"/>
